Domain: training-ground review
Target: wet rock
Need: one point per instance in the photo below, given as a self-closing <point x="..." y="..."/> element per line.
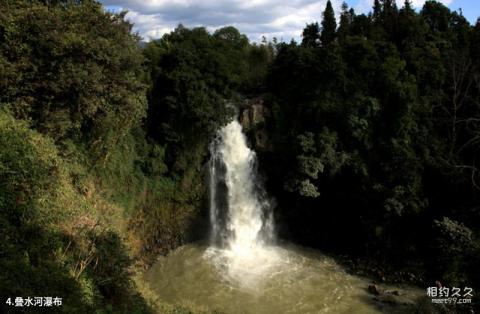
<point x="254" y="113"/>
<point x="374" y="289"/>
<point x="258" y="113"/>
<point x="392" y="292"/>
<point x="262" y="141"/>
<point x="245" y="119"/>
<point x="253" y="118"/>
<point x="381" y="275"/>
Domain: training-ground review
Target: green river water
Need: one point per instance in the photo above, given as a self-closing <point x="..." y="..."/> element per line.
<point x="250" y="274"/>
<point x="277" y="279"/>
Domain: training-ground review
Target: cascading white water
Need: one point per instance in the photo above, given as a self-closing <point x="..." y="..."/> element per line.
<point x="241" y="271"/>
<point x="240" y="212"/>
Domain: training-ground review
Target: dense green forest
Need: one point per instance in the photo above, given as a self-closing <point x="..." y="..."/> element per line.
<point x="373" y="124"/>
<point x="383" y="114"/>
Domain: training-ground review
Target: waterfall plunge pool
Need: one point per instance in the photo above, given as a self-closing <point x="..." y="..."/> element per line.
<point x="242" y="271"/>
<point x="270" y="279"/>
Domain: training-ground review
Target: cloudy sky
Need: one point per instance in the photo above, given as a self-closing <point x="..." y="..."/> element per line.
<point x="283" y="19"/>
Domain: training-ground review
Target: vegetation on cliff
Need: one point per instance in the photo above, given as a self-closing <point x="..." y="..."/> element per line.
<point x="383" y="117"/>
<point x="102" y="146"/>
<point x="370" y="145"/>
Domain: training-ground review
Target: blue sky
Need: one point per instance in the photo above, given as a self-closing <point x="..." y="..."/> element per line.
<point x="283" y="19"/>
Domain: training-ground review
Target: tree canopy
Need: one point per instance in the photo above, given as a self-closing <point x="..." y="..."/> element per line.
<point x="376" y="135"/>
<point x="374" y="127"/>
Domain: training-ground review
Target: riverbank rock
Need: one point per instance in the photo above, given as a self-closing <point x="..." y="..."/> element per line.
<point x="390" y="297"/>
<point x="253" y="112"/>
<point x="373" y="289"/>
<point x="253" y="118"/>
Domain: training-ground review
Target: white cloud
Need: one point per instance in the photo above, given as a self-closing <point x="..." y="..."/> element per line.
<point x="284" y="19"/>
<point x="419" y="3"/>
<point x="256" y="18"/>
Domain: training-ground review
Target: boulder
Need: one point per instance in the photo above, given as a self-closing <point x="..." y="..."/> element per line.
<point x="253" y="117"/>
<point x="253" y="113"/>
<point x="374" y="289"/>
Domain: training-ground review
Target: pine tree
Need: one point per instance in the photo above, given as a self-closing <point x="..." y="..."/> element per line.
<point x="346" y="18"/>
<point x="389" y="17"/>
<point x="389" y="8"/>
<point x="377" y="10"/>
<point x="476" y="42"/>
<point x="408" y="24"/>
<point x="329" y="25"/>
<point x="407" y="6"/>
<point x="311" y="35"/>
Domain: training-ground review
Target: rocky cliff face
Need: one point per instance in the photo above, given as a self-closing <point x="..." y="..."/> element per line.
<point x="253" y="117"/>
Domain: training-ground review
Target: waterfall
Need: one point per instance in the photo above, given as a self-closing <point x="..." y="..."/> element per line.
<point x="240" y="211"/>
<point x="242" y="271"/>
